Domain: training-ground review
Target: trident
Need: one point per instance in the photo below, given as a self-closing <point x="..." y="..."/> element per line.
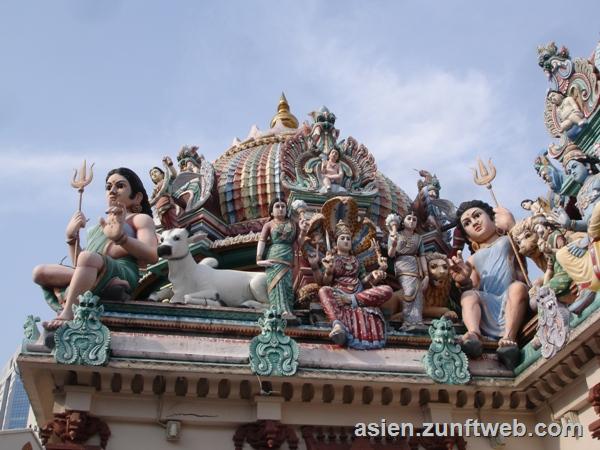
<point x="80" y="184"/>
<point x="484" y="177"/>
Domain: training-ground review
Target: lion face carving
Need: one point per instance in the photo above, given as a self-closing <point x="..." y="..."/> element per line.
<point x="439" y="271"/>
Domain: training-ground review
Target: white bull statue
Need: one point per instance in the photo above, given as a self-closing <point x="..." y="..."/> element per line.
<point x="203" y="284"/>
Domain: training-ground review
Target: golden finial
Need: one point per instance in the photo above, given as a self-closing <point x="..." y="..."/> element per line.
<point x="284" y="115"/>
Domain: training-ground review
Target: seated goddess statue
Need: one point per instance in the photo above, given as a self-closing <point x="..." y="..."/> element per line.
<point x="352" y="307"/>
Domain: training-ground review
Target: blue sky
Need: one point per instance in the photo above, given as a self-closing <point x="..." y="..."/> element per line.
<point x="424" y="85"/>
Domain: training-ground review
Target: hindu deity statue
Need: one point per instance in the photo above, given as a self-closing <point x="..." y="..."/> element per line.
<point x="193" y="185"/>
<point x="583" y="171"/>
<point x="352" y="307"/>
<point x="433" y="212"/>
<point x="410" y="266"/>
<point x="281" y="231"/>
<point x="495" y="300"/>
<point x="553" y="178"/>
<point x="570" y="117"/>
<point x="331" y="172"/>
<point x="117" y="248"/>
<point x="350" y="295"/>
<point x="539" y="240"/>
<point x="166" y="206"/>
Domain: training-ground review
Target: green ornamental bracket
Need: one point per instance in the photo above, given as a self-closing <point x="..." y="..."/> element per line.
<point x="445" y="362"/>
<point x="272" y="353"/>
<point x="30" y="330"/>
<point x="83" y="340"/>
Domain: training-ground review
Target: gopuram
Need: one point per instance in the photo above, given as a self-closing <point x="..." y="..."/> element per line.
<point x="289" y="295"/>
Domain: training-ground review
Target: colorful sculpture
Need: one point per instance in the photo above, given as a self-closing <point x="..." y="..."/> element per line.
<point x="193" y="185"/>
<point x="496" y="303"/>
<point x="116" y="248"/>
<point x="349" y="295"/>
<point x="165" y="205"/>
<point x="583" y="268"/>
<point x="568" y="113"/>
<point x="410" y="267"/>
<point x="433" y="212"/>
<point x="282" y="233"/>
<point x="331" y="173"/>
<point x="440" y="291"/>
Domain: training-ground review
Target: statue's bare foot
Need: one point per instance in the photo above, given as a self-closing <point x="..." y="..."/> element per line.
<point x="338" y="334"/>
<point x="508" y="353"/>
<point x="55" y="323"/>
<point x="471" y="344"/>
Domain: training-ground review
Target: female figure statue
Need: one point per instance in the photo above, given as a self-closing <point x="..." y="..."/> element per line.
<point x="410" y="265"/>
<point x="116" y="247"/>
<point x="331" y="171"/>
<point x="278" y="264"/>
<point x="352" y="308"/>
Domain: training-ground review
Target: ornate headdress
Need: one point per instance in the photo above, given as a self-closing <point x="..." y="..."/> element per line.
<point x="572" y="152"/>
<point x="188" y="152"/>
<point x="342" y="228"/>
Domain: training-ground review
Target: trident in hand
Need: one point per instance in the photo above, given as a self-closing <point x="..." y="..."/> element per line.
<point x="484" y="177"/>
<point x="80" y="183"/>
<point x="83" y="180"/>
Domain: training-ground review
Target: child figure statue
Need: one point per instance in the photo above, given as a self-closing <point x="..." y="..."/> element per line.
<point x="495" y="299"/>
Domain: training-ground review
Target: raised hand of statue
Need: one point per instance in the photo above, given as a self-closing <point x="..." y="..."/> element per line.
<point x="378" y="276"/>
<point x="313" y="258"/>
<point x="76" y="223"/>
<point x="560" y="217"/>
<point x="579" y="247"/>
<point x="328" y="262"/>
<point x="304" y="225"/>
<point x="167" y="160"/>
<point x="460" y="271"/>
<point x="113" y="225"/>
<point x="382" y="261"/>
<point x="503" y="219"/>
